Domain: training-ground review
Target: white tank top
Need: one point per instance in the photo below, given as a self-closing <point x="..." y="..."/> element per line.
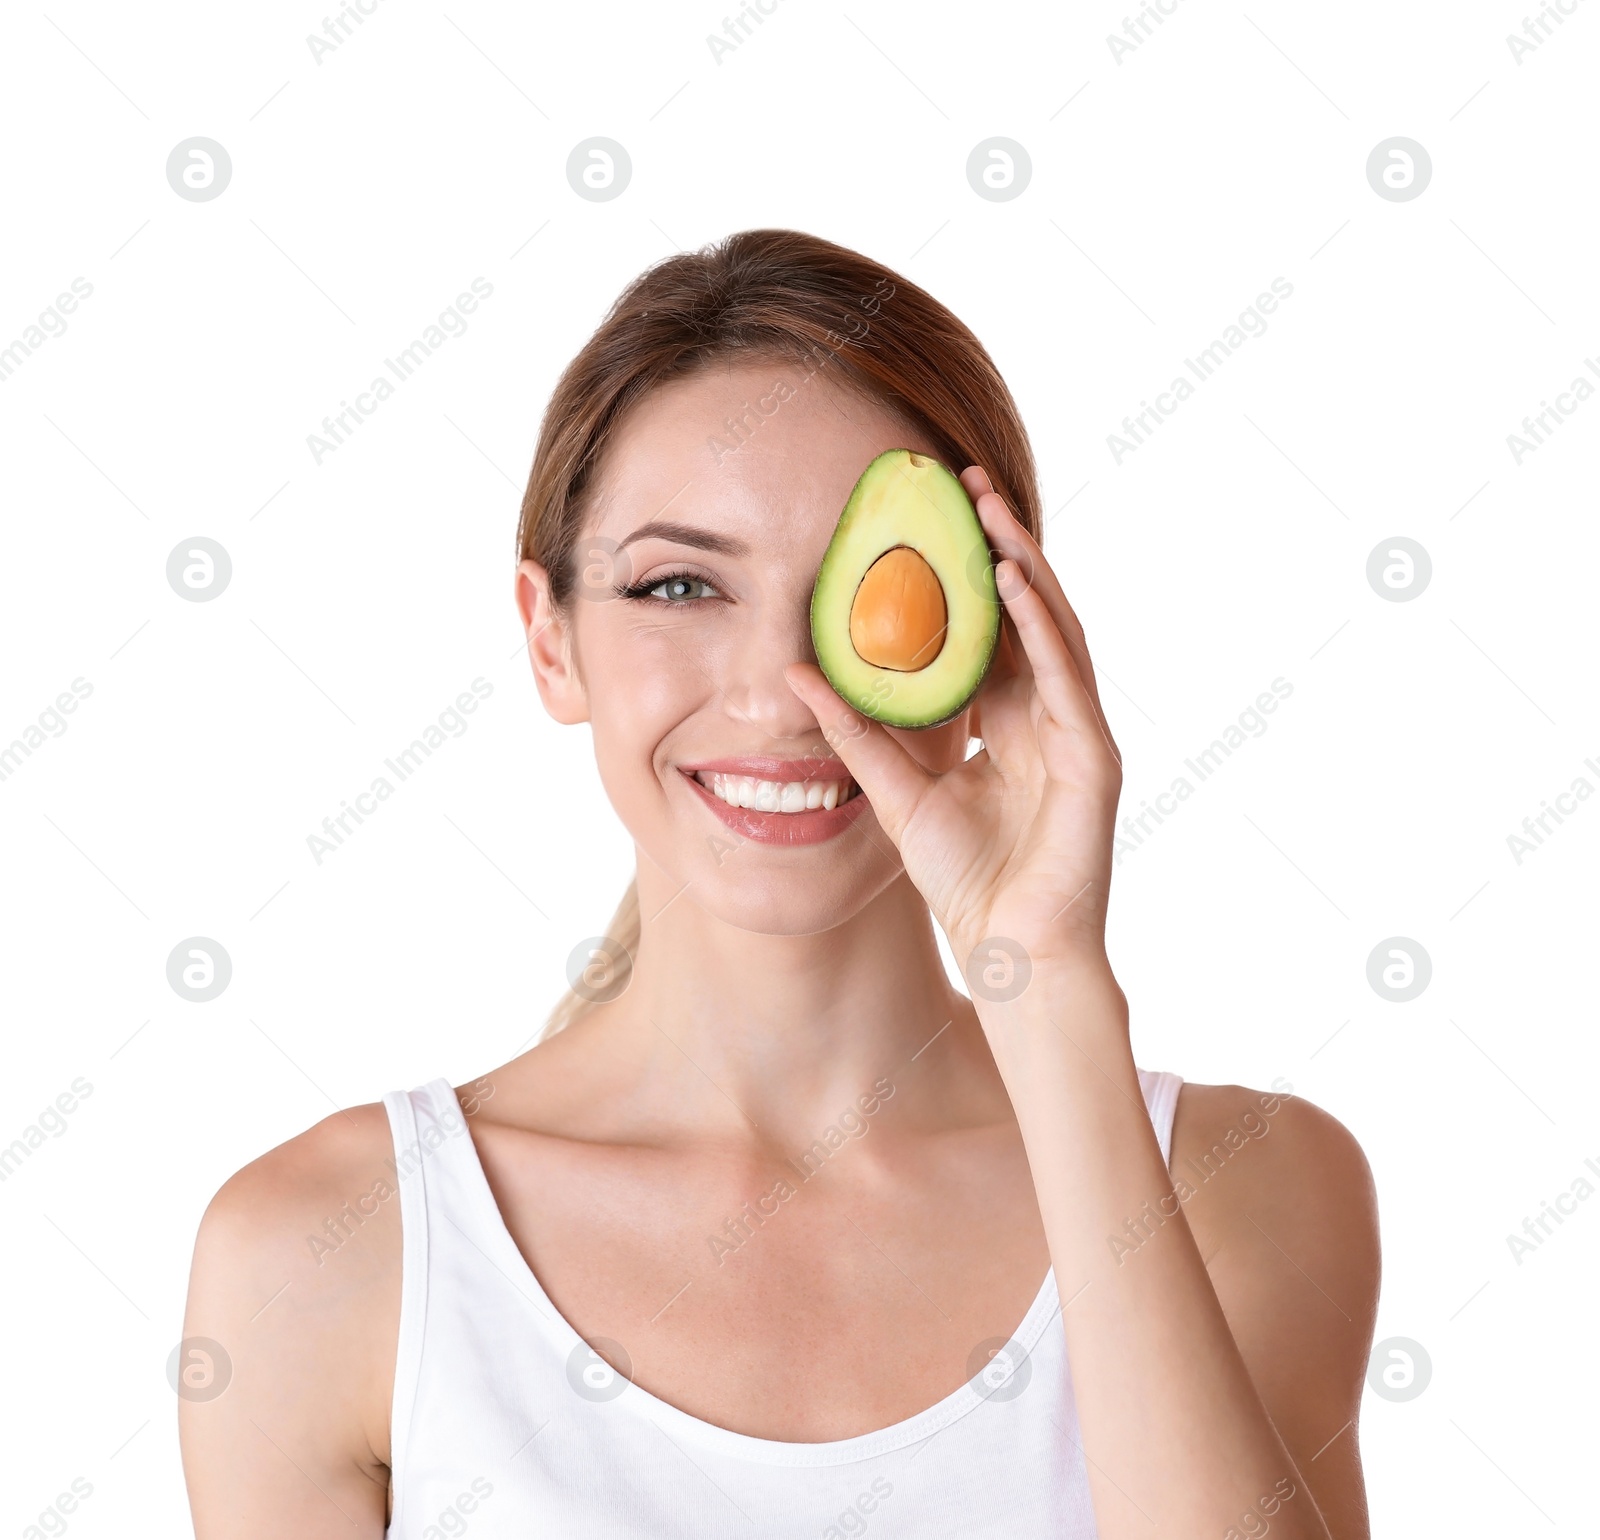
<point x="505" y="1422"/>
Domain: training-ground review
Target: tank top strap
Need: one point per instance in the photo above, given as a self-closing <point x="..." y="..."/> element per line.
<point x="1161" y="1089"/>
<point x="430" y="1164"/>
<point x="435" y="1164"/>
<point x="435" y="1130"/>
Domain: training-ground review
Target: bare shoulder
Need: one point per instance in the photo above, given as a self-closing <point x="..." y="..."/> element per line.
<point x="291" y="1328"/>
<point x="1282" y="1205"/>
<point x="1311" y="1169"/>
<point x="321" y="1193"/>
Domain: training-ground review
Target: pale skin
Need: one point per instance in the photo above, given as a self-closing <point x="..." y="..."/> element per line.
<point x="1219" y="1362"/>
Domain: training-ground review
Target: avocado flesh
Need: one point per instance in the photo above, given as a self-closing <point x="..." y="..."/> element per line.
<point x="911" y="503"/>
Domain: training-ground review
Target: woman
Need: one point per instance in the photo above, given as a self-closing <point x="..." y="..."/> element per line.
<point x="752" y="1241"/>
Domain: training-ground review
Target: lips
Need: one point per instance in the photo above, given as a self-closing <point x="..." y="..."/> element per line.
<point x="802" y="801"/>
<point x="768" y="767"/>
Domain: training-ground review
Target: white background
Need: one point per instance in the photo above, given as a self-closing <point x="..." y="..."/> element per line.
<point x="1167" y="191"/>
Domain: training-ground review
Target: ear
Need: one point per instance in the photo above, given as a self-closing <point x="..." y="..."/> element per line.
<point x="550" y="648"/>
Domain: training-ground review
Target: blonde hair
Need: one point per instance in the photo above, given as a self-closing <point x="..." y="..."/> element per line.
<point x="624" y="931"/>
<point x="762" y="294"/>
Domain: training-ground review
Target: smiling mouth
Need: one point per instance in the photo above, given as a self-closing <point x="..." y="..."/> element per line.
<point x="777" y="796"/>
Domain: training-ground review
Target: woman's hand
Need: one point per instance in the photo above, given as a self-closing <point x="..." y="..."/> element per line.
<point x="1013" y="846"/>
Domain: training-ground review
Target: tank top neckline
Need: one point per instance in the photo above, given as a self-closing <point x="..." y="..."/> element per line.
<point x="566" y="1338"/>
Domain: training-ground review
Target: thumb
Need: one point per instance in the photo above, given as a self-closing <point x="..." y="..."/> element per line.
<point x="890" y="779"/>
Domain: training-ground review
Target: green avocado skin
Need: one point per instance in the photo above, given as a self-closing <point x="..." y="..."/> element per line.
<point x="906" y="498"/>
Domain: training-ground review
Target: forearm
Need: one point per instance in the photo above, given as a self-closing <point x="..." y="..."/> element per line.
<point x="1173" y="1428"/>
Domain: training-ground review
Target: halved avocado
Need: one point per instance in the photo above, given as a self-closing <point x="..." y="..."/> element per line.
<point x="904" y="613"/>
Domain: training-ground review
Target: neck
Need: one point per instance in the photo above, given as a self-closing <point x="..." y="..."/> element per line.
<point x="789" y="1028"/>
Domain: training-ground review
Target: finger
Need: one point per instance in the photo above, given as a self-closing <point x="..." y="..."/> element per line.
<point x="999" y="521"/>
<point x="1011" y="538"/>
<point x="976" y="481"/>
<point x="1008" y="662"/>
<point x="891" y="779"/>
<point x="1056" y="678"/>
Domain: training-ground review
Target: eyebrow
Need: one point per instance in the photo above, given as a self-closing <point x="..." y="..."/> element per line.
<point x="687" y="534"/>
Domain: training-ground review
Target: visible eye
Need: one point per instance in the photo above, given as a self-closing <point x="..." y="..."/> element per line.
<point x="678" y="588"/>
<point x="684" y="588"/>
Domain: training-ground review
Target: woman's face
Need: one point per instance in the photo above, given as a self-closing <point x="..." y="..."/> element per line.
<point x="712" y="510"/>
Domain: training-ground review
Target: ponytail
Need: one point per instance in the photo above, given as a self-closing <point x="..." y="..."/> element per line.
<point x="623" y="931"/>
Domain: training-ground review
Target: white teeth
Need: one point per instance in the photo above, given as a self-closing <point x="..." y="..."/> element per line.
<point x="775" y="796"/>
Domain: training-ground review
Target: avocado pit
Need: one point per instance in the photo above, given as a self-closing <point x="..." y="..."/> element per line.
<point x="898" y="618"/>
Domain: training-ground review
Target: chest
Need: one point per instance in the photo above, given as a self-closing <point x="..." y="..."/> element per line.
<point x="803" y="1300"/>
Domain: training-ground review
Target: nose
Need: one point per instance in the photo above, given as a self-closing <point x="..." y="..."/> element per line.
<point x="754" y="687"/>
